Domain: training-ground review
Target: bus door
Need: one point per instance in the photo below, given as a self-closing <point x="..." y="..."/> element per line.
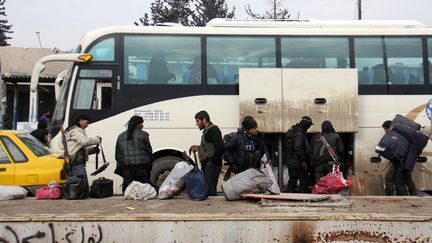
<point x="95" y="92"/>
<point x="278" y="98"/>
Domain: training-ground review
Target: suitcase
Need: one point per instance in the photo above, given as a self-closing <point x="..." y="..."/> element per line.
<point x="101" y="188"/>
<point x="393" y="146"/>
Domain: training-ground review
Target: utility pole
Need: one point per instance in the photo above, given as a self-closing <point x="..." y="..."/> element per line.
<point x="359" y="9"/>
<point x="38" y="36"/>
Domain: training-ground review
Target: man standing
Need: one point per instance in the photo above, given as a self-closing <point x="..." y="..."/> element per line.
<point x="45" y="118"/>
<point x="134" y="153"/>
<point x="41" y="133"/>
<point x="209" y="151"/>
<point x="245" y="149"/>
<point x="297" y="148"/>
<point x="321" y="159"/>
<point x="389" y="176"/>
<point x="79" y="145"/>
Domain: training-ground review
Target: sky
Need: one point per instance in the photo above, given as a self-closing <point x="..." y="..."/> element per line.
<point x="61" y="23"/>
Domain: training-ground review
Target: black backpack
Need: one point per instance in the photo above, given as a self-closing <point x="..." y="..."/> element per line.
<point x="227" y="137"/>
<point x="101" y="188"/>
<point x="76" y="187"/>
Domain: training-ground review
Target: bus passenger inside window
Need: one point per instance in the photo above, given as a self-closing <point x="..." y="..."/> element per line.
<point x="158" y="70"/>
<point x="342" y="62"/>
<point x="379" y="72"/>
<point x="193" y="74"/>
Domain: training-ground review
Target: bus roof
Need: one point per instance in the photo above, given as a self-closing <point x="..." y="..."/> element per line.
<point x="282" y="28"/>
<point x="274" y="23"/>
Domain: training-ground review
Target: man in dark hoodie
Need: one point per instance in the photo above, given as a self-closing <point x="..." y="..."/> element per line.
<point x="321" y="159"/>
<point x="41" y="133"/>
<point x="245" y="149"/>
<point x="297" y="151"/>
<point x="134" y="153"/>
<point x="209" y="151"/>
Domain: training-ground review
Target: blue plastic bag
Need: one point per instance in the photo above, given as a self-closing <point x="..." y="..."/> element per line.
<point x="196" y="186"/>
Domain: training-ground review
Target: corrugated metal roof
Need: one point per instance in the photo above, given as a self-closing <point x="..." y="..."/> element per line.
<point x="19" y="61"/>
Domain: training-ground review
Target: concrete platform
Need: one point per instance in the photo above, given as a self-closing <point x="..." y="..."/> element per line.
<point x="369" y="219"/>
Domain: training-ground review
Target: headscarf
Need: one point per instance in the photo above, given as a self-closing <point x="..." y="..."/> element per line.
<point x="132" y="124"/>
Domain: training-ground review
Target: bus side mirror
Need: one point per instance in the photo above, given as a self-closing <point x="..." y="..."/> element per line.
<point x="375" y="160"/>
<point x="421" y="159"/>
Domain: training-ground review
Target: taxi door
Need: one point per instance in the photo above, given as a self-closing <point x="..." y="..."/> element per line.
<point x="7" y="168"/>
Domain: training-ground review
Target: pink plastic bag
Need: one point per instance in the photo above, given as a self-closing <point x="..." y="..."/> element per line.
<point x="50" y="191"/>
<point x="332" y="183"/>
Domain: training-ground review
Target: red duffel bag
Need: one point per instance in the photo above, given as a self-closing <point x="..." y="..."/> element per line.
<point x="332" y="183"/>
<point x="50" y="191"/>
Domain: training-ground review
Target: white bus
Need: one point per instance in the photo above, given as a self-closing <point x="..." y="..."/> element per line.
<point x="167" y="74"/>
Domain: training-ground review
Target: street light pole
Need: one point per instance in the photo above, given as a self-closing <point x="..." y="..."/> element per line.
<point x="38" y="36"/>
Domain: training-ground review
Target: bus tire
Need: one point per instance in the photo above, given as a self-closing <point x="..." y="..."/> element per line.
<point x="161" y="168"/>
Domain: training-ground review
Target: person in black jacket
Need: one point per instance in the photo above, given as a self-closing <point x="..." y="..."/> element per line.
<point x="245" y="149"/>
<point x="389" y="181"/>
<point x="134" y="153"/>
<point x="321" y="160"/>
<point x="41" y="133"/>
<point x="297" y="151"/>
<point x="209" y="151"/>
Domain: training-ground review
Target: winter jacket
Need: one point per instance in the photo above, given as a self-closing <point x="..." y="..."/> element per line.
<point x="134" y="151"/>
<point x="76" y="138"/>
<point x="418" y="142"/>
<point x="239" y="144"/>
<point x="319" y="152"/>
<point x="297" y="147"/>
<point x="42" y="135"/>
<point x="212" y="146"/>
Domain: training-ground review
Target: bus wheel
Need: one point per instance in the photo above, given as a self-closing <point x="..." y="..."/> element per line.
<point x="162" y="167"/>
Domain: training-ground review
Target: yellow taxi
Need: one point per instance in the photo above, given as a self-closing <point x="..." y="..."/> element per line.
<point x="25" y="161"/>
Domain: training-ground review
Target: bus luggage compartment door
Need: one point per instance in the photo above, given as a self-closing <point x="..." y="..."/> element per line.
<point x="278" y="98"/>
<point x="261" y="97"/>
<point x="322" y="94"/>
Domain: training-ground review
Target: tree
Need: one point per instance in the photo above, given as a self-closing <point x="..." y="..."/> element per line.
<point x="205" y="10"/>
<point x="175" y="11"/>
<point x="5" y="28"/>
<point x="277" y="11"/>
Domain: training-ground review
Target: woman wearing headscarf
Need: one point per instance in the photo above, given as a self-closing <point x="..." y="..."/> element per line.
<point x="321" y="159"/>
<point x="134" y="153"/>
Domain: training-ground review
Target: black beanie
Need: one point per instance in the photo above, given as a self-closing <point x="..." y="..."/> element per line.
<point x="249" y="123"/>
